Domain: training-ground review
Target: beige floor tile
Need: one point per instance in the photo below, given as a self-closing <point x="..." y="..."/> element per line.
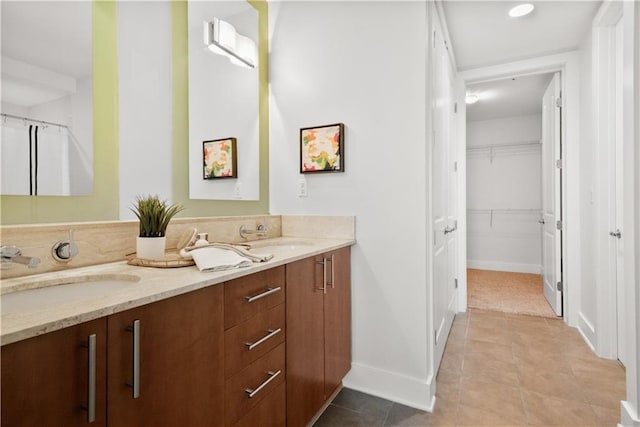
<point x="528" y="358"/>
<point x="552" y="384"/>
<point x="495" y="401"/>
<point x="479" y="332"/>
<point x="489" y="350"/>
<point x="544" y="410"/>
<point x="490" y="370"/>
<point x="446" y="376"/>
<point x="473" y="416"/>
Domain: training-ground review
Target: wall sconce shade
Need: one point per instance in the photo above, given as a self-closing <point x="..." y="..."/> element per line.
<point x="222" y="38"/>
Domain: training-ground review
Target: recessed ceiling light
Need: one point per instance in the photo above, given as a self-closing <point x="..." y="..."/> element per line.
<point x="521" y="10"/>
<point x="472" y="98"/>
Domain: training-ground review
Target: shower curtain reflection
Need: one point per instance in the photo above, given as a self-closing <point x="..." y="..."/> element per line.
<point x="40" y="158"/>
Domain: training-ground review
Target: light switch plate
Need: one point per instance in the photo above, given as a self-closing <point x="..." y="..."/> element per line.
<point x="302" y="187"/>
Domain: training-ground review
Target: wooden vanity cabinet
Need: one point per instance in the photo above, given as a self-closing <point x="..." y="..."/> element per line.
<point x="318" y="319"/>
<point x="180" y="368"/>
<point x="45" y="379"/>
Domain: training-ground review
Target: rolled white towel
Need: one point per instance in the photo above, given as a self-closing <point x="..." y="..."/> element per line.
<point x="217" y="259"/>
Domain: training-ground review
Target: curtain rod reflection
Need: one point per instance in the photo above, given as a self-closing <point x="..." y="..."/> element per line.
<point x="27" y="119"/>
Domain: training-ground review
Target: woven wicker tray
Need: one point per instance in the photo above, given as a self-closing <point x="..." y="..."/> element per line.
<point x="171" y="260"/>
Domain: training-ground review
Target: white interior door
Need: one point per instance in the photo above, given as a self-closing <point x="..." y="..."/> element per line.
<point x="617" y="247"/>
<point x="443" y="185"/>
<point x="551" y="194"/>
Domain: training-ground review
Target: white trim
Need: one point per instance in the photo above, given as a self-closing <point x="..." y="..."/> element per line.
<point x="568" y="65"/>
<point x="586" y="329"/>
<point x="629" y="417"/>
<point x="409" y="391"/>
<point x="513" y="267"/>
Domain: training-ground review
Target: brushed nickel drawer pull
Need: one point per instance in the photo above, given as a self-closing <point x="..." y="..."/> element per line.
<point x="253" y="392"/>
<point x="91" y="379"/>
<point x="272" y="333"/>
<point x="268" y="292"/>
<point x="135" y="383"/>
<point x="324" y="275"/>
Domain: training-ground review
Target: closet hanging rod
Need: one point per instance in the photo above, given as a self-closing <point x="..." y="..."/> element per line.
<point x="27" y="119"/>
<point x="508" y="145"/>
<point x="504" y="210"/>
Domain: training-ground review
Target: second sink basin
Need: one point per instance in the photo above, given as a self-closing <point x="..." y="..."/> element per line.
<point x="71" y="290"/>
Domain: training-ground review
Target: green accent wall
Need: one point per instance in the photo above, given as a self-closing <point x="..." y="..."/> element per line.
<point x="195" y="208"/>
<point x="102" y="204"/>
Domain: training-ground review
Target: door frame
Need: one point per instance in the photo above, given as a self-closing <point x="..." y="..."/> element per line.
<point x="568" y="66"/>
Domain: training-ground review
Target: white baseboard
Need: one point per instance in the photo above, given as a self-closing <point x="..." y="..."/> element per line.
<point x="587" y="331"/>
<point x="409" y="391"/>
<point x="628" y="417"/>
<point x="512" y="267"/>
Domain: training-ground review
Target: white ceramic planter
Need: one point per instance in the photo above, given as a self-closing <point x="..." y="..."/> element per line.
<point x="150" y="247"/>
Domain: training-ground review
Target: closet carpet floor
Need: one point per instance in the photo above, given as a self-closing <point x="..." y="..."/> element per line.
<point x="518" y="293"/>
<point x="502" y="369"/>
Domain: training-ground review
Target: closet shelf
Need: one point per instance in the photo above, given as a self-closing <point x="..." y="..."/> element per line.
<point x="513" y="148"/>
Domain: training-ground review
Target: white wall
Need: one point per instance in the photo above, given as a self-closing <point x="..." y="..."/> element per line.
<point x="350" y="62"/>
<point x="499" y="180"/>
<point x="144" y="74"/>
<point x="588" y="302"/>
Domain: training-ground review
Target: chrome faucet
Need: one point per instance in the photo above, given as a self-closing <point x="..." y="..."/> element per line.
<point x="13" y="254"/>
<point x="261" y="230"/>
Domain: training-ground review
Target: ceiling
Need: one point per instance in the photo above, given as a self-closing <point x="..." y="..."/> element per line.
<point x="482" y="33"/>
<point x="518" y="96"/>
<point x="55" y="35"/>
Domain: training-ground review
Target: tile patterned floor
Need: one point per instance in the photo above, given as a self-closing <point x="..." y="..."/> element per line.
<point x="501" y="369"/>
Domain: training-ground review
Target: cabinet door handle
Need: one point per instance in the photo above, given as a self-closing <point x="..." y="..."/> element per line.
<point x="91" y="379"/>
<point x="333" y="273"/>
<point x="324" y="275"/>
<point x="271" y="333"/>
<point x="135" y="383"/>
<point x="252" y="392"/>
<point x="268" y="292"/>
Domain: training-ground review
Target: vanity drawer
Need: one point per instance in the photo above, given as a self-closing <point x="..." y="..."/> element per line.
<point x="250" y="340"/>
<point x="247" y="296"/>
<point x="271" y="412"/>
<point x="245" y="390"/>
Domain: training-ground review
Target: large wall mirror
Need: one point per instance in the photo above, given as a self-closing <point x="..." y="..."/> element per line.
<point x="47" y="98"/>
<point x="223" y="101"/>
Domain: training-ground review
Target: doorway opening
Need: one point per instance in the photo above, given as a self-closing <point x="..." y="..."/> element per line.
<point x="514" y="194"/>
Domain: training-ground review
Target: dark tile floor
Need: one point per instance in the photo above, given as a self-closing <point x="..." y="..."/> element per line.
<point x="502" y="370"/>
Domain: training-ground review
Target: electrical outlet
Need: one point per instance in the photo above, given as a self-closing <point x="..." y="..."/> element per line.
<point x="302" y="187"/>
<point x="237" y="190"/>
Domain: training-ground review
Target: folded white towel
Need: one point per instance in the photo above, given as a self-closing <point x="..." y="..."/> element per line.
<point x="217" y="259"/>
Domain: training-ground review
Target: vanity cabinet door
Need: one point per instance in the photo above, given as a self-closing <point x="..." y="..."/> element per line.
<point x="166" y="362"/>
<point x="305" y="340"/>
<point x="318" y="313"/>
<point x="337" y="319"/>
<point x="46" y="379"/>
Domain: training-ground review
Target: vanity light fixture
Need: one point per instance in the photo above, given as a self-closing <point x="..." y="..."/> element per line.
<point x="472" y="98"/>
<point x="221" y="38"/>
<point x="521" y="10"/>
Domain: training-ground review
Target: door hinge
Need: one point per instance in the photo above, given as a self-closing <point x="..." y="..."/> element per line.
<point x="455" y="107"/>
<point x="559" y="163"/>
<point x="434" y="39"/>
<point x="559" y="225"/>
<point x="435" y="336"/>
<point x="559" y="102"/>
<point x="455" y="166"/>
<point x="559" y="286"/>
<point x="455" y="282"/>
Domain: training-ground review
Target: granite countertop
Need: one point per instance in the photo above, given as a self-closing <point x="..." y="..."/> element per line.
<point x="136" y="286"/>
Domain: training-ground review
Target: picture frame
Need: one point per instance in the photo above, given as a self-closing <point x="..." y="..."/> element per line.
<point x="322" y="149"/>
<point x="220" y="158"/>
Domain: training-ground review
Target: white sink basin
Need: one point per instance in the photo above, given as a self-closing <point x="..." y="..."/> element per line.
<point x="278" y="246"/>
<point x="41" y="295"/>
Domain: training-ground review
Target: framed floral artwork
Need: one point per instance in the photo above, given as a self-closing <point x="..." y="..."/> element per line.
<point x="220" y="158"/>
<point x="322" y="149"/>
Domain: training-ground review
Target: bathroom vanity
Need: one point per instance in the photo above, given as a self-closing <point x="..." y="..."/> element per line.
<point x="267" y="345"/>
